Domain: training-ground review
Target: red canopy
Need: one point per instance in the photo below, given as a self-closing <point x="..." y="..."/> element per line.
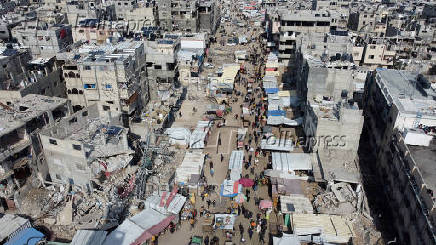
<point x="246" y="182"/>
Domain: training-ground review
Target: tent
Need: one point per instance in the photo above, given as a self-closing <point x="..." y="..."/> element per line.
<point x="230" y="188"/>
<point x="29" y="236"/>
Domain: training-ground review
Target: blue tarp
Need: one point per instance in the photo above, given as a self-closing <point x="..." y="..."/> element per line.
<point x="29" y="236"/>
<point x="276" y="113"/>
<point x="271" y="90"/>
<point x="227" y="195"/>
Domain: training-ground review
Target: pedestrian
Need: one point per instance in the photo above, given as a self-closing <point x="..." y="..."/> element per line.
<point x="222" y="157"/>
<point x="243" y="210"/>
<point x="247" y="193"/>
<point x="250" y="232"/>
<point x="213" y="203"/>
<point x="206" y="240"/>
<point x="208" y="204"/>
<point x="219" y="141"/>
<point x="241" y="229"/>
<point x="180" y="114"/>
<point x="261" y="237"/>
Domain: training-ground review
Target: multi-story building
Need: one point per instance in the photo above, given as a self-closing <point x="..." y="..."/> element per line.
<point x="400" y="121"/>
<point x="294" y="23"/>
<point x="40" y="76"/>
<point x="209" y="16"/>
<point x="162" y="70"/>
<point x="20" y="151"/>
<point x="79" y="148"/>
<point x="378" y="55"/>
<point x="176" y="15"/>
<point x="362" y="21"/>
<point x="44" y="41"/>
<point x="111" y="74"/>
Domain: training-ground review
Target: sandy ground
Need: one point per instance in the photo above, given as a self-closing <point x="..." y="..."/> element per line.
<point x="228" y="137"/>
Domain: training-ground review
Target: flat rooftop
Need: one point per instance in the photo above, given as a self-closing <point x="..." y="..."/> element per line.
<point x="26" y="109"/>
<point x="425" y="159"/>
<point x="306" y="15"/>
<point x="402" y="88"/>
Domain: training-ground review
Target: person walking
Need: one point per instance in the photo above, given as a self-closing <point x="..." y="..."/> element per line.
<point x="241" y="229"/>
<point x="208" y="204"/>
<point x="222" y="157"/>
<point x="213" y="203"/>
<point x="250" y="232"/>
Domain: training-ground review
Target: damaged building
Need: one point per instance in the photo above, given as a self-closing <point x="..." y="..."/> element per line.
<point x="20" y="153"/>
<point x="81" y="147"/>
<point x="176" y="15"/>
<point x="400" y="119"/>
<point x="110" y="74"/>
<point x="39" y="76"/>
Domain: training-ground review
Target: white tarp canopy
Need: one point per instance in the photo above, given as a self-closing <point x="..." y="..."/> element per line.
<point x="235" y="164"/>
<point x="278" y="120"/>
<point x="274" y="144"/>
<point x="288" y="162"/>
<point x="174" y="207"/>
<point x="225" y="221"/>
<point x="286" y="239"/>
<point x="178" y="136"/>
<point x="191" y="164"/>
<point x="333" y="229"/>
<point x="133" y="227"/>
<point x="89" y="237"/>
<point x="295" y="203"/>
<point x="199" y="135"/>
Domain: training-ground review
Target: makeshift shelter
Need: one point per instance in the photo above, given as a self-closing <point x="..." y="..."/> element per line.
<point x="230" y="188"/>
<point x="166" y="202"/>
<point x="134" y="227"/>
<point x="199" y="135"/>
<point x="192" y="164"/>
<point x="295" y="204"/>
<point x="286" y="239"/>
<point x="274" y="144"/>
<point x="89" y="237"/>
<point x="225" y="221"/>
<point x="325" y="228"/>
<point x="289" y="162"/>
<point x="241" y="136"/>
<point x="282" y="120"/>
<point x="235" y="164"/>
<point x="178" y="136"/>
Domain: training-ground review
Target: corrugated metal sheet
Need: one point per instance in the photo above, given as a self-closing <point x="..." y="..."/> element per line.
<point x="299" y="203"/>
<point x="89" y="237"/>
<point x="287" y="162"/>
<point x="275" y="144"/>
<point x="191" y="164"/>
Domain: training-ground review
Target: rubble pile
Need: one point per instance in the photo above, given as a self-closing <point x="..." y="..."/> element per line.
<point x="341" y="200"/>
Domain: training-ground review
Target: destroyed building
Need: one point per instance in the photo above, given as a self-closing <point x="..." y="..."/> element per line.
<point x="331" y="88"/>
<point x="209" y="16"/>
<point x="44" y="41"/>
<point x="294" y="23"/>
<point x="20" y="153"/>
<point x="79" y="148"/>
<point x="162" y="70"/>
<point x="401" y="123"/>
<point x="176" y="15"/>
<point x="39" y="76"/>
<point x="110" y="74"/>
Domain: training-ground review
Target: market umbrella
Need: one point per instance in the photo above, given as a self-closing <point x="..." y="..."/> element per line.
<point x="246" y="182"/>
